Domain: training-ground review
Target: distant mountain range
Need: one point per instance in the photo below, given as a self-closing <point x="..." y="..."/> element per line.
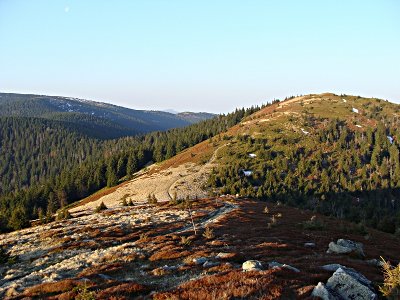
<point x="95" y="119"/>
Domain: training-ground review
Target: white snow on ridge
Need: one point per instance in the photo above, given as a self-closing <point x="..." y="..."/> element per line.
<point x="355" y="110"/>
<point x="305" y="132"/>
<point x="247" y="173"/>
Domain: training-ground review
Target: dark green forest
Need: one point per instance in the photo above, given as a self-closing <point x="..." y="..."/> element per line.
<point x="45" y="165"/>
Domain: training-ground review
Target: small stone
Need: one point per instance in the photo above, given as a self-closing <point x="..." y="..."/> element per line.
<point x="199" y="260"/>
<point x="252" y="265"/>
<point x="375" y="262"/>
<point x="224" y="255"/>
<point x="309" y="245"/>
<point x="210" y="264"/>
<point x="275" y="265"/>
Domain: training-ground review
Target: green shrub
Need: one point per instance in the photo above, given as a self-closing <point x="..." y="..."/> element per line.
<point x="101" y="207"/>
<point x="123" y="200"/>
<point x="84" y="294"/>
<point x="6" y="257"/>
<point x="63" y="215"/>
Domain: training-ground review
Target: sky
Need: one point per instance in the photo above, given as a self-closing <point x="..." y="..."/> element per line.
<point x="199" y="55"/>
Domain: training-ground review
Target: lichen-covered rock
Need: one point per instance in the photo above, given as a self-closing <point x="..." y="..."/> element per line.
<point x="361" y="278"/>
<point x="346" y="247"/>
<point x="252" y="265"/>
<point x="350" y="286"/>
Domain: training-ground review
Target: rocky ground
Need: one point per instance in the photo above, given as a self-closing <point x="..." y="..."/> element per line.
<point x="152" y="252"/>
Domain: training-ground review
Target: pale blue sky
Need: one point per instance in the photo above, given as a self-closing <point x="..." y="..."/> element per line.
<point x="199" y="55"/>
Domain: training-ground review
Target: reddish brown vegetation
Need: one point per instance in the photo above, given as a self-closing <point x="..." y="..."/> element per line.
<point x="123" y="291"/>
<point x="231" y="285"/>
<point x="242" y="235"/>
<point x="47" y="289"/>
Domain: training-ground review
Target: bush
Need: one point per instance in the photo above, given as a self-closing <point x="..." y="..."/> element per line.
<point x="63" y="215"/>
<point x="101" y="207"/>
<point x="6" y="257"/>
<point x="208" y="233"/>
<point x="391" y="284"/>
<point x="123" y="200"/>
<point x="151" y="199"/>
<point x="185" y="241"/>
<point x="84" y="293"/>
<point x="313" y="224"/>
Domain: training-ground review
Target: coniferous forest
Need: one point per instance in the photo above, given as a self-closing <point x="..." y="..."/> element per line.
<point x="45" y="165"/>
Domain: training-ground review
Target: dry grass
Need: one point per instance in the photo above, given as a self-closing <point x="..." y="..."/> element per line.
<point x="123" y="291"/>
<point x="209" y="233"/>
<point x="175" y="253"/>
<point x="232" y="285"/>
<point x="48" y="289"/>
<point x="391" y="285"/>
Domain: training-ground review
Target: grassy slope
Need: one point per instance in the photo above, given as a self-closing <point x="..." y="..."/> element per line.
<point x="284" y="121"/>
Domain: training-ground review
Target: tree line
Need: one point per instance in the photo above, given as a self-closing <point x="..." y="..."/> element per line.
<point x="65" y="166"/>
<point x="337" y="171"/>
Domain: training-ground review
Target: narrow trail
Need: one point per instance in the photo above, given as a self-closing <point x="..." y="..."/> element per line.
<point x="210" y="218"/>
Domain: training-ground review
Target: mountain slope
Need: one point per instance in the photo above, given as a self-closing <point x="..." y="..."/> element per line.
<point x="44" y="136"/>
<point x="99" y="119"/>
<point x="338" y="155"/>
<point x="304" y="157"/>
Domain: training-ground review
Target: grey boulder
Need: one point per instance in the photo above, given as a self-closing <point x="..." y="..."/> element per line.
<point x="346" y="247"/>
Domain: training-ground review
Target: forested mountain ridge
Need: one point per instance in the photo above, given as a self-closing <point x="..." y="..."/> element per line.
<point x="40" y="136"/>
<point x="195" y="117"/>
<point x="99" y="120"/>
<point x="338" y="155"/>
